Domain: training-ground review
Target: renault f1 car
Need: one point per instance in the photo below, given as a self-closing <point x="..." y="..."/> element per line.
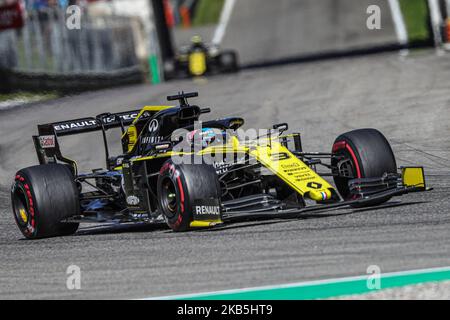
<point x="269" y="175"/>
<point x="199" y="59"/>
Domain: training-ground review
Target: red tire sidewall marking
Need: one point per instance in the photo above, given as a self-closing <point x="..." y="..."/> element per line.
<point x="180" y="186"/>
<point x="175" y="174"/>
<point x="23" y="184"/>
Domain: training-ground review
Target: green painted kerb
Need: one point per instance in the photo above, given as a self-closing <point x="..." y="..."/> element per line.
<point x="326" y="289"/>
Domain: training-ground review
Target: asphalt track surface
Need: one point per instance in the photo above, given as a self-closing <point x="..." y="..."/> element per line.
<point x="271" y="30"/>
<point x="406" y="98"/>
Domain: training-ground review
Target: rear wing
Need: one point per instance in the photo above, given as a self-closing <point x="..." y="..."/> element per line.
<point x="76" y="126"/>
<point x="46" y="142"/>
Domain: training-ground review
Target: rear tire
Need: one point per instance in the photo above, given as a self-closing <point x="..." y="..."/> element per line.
<point x="42" y="196"/>
<point x="367" y="154"/>
<point x="178" y="188"/>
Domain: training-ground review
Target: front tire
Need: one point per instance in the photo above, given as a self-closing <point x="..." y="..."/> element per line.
<point x="42" y="196"/>
<point x="180" y="186"/>
<point x="364" y="153"/>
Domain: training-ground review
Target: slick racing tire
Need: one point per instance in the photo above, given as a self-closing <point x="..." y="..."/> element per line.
<point x="180" y="186"/>
<point x="228" y="61"/>
<point x="365" y="153"/>
<point x="42" y="196"/>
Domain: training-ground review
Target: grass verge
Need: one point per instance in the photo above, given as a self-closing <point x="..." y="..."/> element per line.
<point x="207" y="12"/>
<point x="415" y="13"/>
<point x="9" y="100"/>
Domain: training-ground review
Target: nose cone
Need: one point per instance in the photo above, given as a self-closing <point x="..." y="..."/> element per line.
<point x="319" y="195"/>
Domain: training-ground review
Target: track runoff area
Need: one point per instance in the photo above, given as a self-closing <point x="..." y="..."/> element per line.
<point x="374" y="281"/>
<point x="277" y="301"/>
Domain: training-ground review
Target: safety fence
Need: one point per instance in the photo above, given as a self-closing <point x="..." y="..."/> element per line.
<point x="52" y="52"/>
<point x="46" y="44"/>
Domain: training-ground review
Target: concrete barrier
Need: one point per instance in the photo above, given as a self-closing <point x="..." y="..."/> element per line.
<point x="266" y="30"/>
<point x="68" y="83"/>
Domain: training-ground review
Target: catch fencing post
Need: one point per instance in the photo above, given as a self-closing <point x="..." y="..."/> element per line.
<point x="164" y="37"/>
<point x="400" y="27"/>
<point x="436" y="23"/>
<point x="27" y="44"/>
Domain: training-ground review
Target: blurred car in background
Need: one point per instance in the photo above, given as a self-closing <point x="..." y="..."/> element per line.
<point x="199" y="59"/>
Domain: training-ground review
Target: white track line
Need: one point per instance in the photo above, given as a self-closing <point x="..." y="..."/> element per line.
<point x="223" y="22"/>
<point x="298" y="284"/>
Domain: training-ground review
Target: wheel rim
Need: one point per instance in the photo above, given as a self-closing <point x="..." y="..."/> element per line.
<point x="169" y="199"/>
<point x="20" y="207"/>
<point x="347" y="171"/>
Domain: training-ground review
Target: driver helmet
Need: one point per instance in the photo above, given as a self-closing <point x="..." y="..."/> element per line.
<point x="205" y="136"/>
<point x="196" y="40"/>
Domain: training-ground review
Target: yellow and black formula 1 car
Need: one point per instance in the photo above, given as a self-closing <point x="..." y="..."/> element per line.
<point x="172" y="170"/>
<point x="199" y="59"/>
